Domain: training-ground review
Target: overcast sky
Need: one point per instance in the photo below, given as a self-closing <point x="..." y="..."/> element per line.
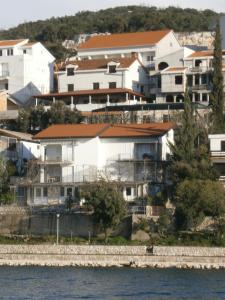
<point x="17" y="11"/>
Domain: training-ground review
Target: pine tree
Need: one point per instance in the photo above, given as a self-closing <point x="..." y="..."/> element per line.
<point x="217" y="95"/>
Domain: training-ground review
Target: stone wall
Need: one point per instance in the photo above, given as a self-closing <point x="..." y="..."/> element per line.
<point x="189" y="251"/>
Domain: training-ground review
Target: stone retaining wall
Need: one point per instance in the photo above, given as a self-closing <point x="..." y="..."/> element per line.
<point x="189" y="251"/>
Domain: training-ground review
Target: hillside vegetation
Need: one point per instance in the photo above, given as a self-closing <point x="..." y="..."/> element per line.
<point x="120" y="19"/>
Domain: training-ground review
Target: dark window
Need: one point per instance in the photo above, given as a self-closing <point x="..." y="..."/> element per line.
<point x="69" y="192"/>
<point x="223" y="146"/>
<point x="38" y="192"/>
<point x="179" y="79"/>
<point x="198" y="63"/>
<point x="159" y="82"/>
<point x="45" y="192"/>
<point x="12" y="145"/>
<point x="112" y="69"/>
<point x="142" y="89"/>
<point x="190" y="80"/>
<point x="24" y="51"/>
<point x="70" y="87"/>
<point x="169" y="98"/>
<point x="95" y="85"/>
<point x="0" y="52"/>
<point x="197" y="79"/>
<point x="6" y="86"/>
<point x="204" y="97"/>
<point x="70" y="71"/>
<point x="112" y="85"/>
<point x="204" y="78"/>
<point x="197" y="97"/>
<point x="9" y="52"/>
<point x="163" y="65"/>
<point x="128" y="191"/>
<point x="62" y="192"/>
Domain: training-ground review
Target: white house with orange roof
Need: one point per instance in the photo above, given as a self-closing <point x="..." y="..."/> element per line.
<point x="134" y="155"/>
<point x="149" y="45"/>
<point x="26" y="69"/>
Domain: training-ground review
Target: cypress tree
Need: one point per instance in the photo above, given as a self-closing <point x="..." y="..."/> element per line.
<point x="217" y="94"/>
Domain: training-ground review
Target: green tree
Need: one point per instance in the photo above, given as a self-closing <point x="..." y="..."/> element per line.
<point x="196" y="199"/>
<point x="106" y="201"/>
<point x="23" y="120"/>
<point x="217" y="95"/>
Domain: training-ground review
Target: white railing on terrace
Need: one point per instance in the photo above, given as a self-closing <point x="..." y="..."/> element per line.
<point x="218" y="153"/>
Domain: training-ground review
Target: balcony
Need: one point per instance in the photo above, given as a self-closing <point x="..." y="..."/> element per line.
<point x="218" y="154"/>
<point x="200" y="87"/>
<point x="54" y="161"/>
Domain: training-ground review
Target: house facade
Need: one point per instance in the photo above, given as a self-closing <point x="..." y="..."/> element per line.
<point x="133" y="155"/>
<point x="26" y="69"/>
<point x="217" y="154"/>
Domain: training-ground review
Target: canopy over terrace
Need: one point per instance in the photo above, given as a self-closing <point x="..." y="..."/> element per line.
<point x="88" y="100"/>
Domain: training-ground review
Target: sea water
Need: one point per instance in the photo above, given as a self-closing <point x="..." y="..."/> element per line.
<point x="110" y="283"/>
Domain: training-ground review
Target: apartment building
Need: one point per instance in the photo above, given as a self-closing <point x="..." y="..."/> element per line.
<point x="26" y="69"/>
<point x="217" y="153"/>
<point x="133" y="155"/>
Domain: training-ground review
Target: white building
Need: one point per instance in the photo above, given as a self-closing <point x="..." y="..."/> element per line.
<point x="149" y="45"/>
<point x="26" y="69"/>
<point x="18" y="147"/>
<point x="95" y="74"/>
<point x="217" y="153"/>
<point x="134" y="155"/>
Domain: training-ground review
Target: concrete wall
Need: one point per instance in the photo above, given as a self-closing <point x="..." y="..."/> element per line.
<point x="23" y="222"/>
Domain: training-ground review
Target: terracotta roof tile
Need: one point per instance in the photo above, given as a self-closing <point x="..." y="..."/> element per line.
<point x="94" y="64"/>
<point x="71" y="130"/>
<point x="104" y="130"/>
<point x="137" y="130"/>
<point x="88" y="92"/>
<point x="124" y="40"/>
<point x="10" y="42"/>
<point x="203" y="54"/>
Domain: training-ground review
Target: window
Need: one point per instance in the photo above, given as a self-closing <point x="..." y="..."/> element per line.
<point x="62" y="192"/>
<point x="197" y="97"/>
<point x="45" y="192"/>
<point x="179" y="79"/>
<point x="112" y="69"/>
<point x="112" y="85"/>
<point x="0" y="52"/>
<point x="95" y="85"/>
<point x="12" y="145"/>
<point x="204" y="79"/>
<point x="128" y="191"/>
<point x="9" y="52"/>
<point x="223" y="146"/>
<point x="150" y="58"/>
<point x="38" y="192"/>
<point x="69" y="192"/>
<point x="24" y="51"/>
<point x="142" y="89"/>
<point x="6" y="86"/>
<point x="70" y="87"/>
<point x="70" y="71"/>
<point x="204" y="97"/>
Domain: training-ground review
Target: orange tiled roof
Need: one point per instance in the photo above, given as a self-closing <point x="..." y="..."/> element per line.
<point x="10" y="42"/>
<point x="71" y="130"/>
<point x="137" y="130"/>
<point x="203" y="54"/>
<point x="124" y="40"/>
<point x="88" y="92"/>
<point x="93" y="64"/>
<point x="103" y="130"/>
<point x="30" y="44"/>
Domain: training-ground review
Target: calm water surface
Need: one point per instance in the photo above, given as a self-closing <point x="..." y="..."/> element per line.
<point x="114" y="283"/>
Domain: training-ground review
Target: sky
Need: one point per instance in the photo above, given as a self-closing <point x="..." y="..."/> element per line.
<point x="29" y="10"/>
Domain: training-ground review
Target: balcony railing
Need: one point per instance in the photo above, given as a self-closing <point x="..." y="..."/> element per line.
<point x="218" y="154"/>
<point x="53" y="161"/>
<point x="198" y="87"/>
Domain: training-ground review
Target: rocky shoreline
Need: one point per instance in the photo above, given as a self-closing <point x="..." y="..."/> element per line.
<point x="112" y="256"/>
